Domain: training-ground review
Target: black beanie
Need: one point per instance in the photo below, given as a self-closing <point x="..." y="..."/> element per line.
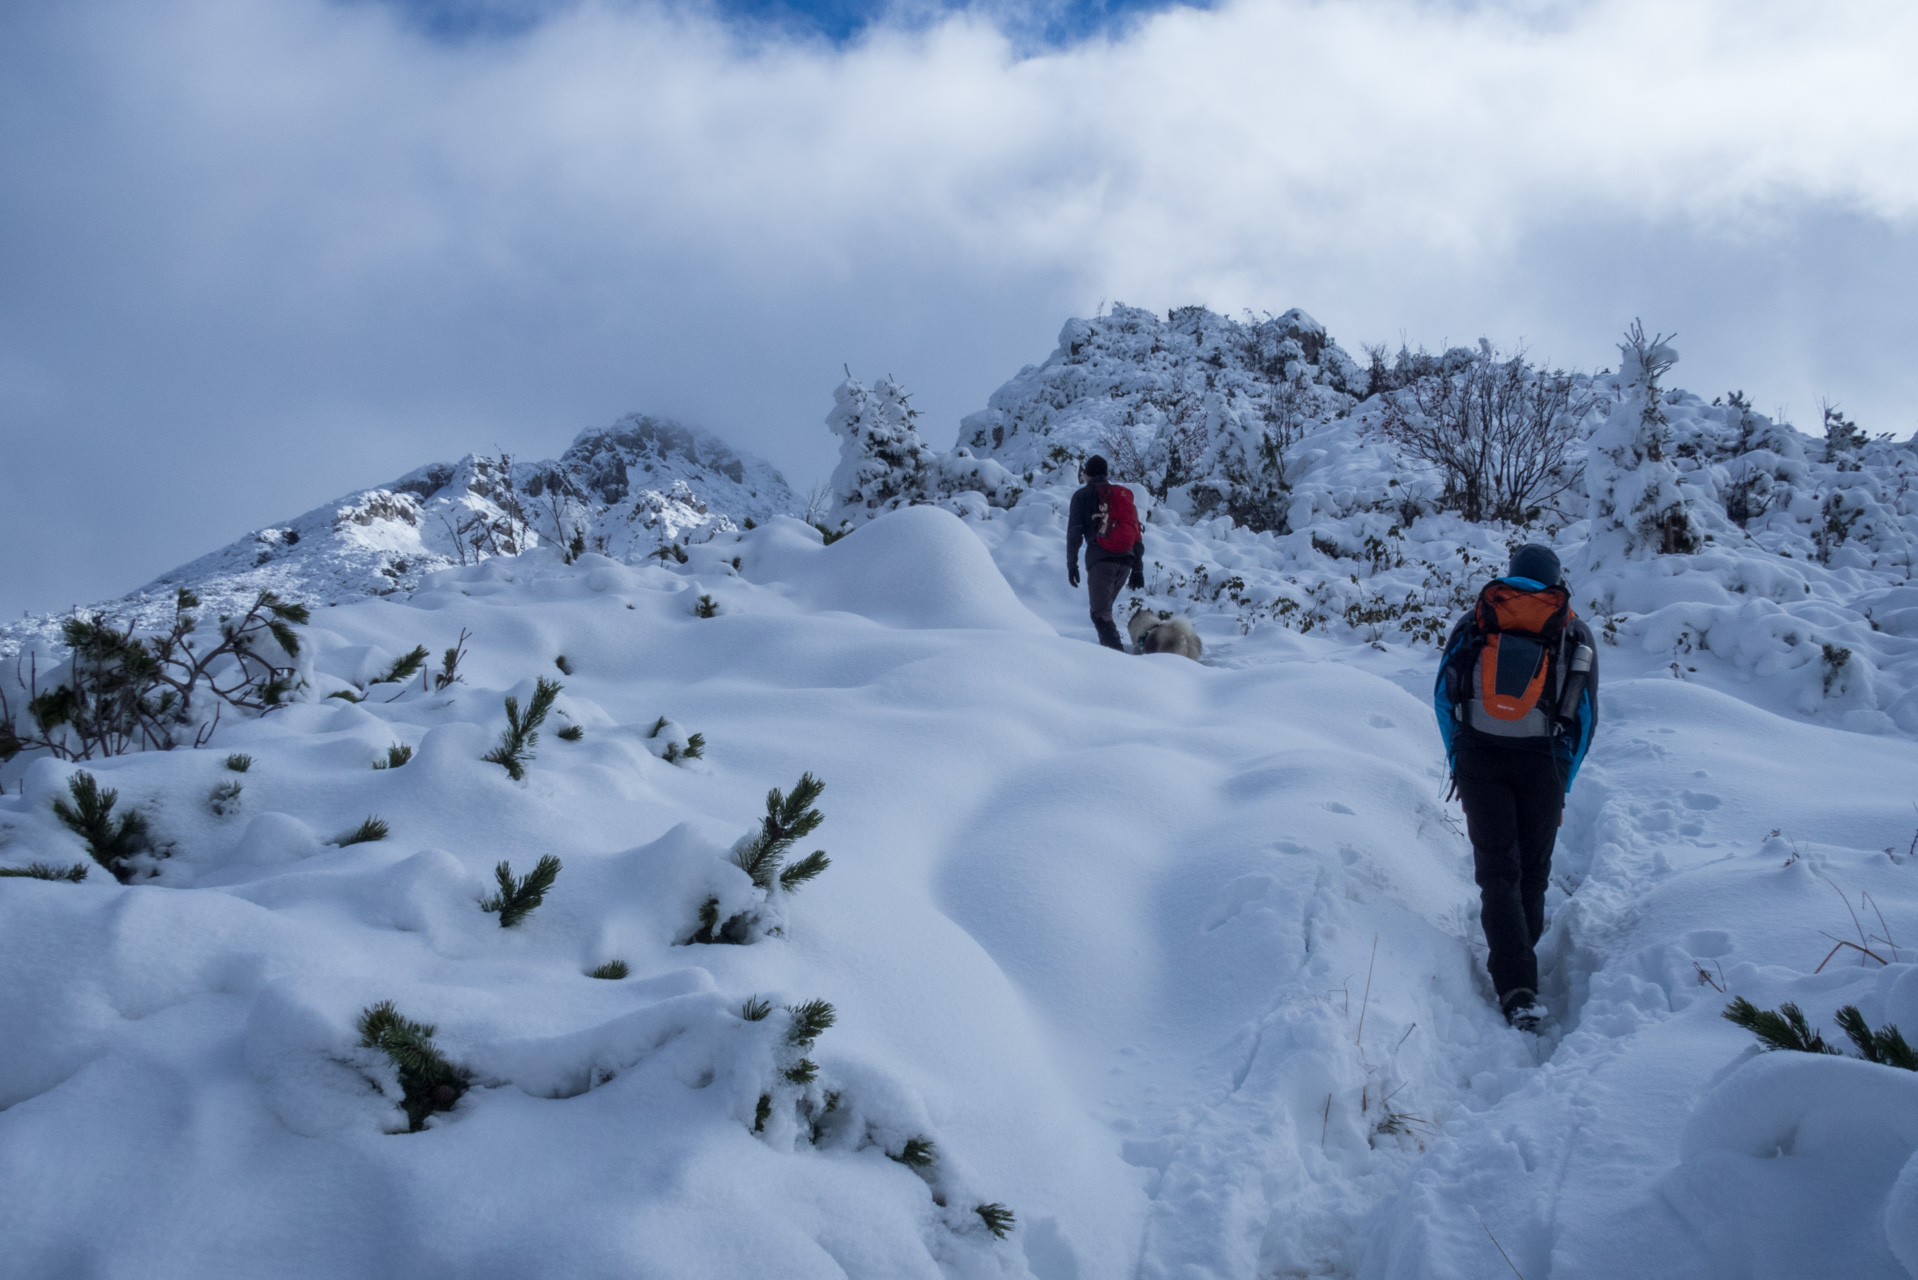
<point x="1537" y="562"/>
<point x="1094" y="466"/>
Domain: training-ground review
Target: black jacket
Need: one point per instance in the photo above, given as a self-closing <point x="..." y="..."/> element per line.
<point x="1076" y="517"/>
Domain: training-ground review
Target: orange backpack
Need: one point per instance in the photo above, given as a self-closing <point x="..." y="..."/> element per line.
<point x="1513" y="659"/>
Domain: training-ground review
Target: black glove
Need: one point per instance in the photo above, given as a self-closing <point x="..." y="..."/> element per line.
<point x="1072" y="573"/>
<point x="1137" y="581"/>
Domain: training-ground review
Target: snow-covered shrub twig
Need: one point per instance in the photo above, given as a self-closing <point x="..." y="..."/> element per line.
<point x="517" y="898"/>
<point x="1886" y="1045"/>
<point x="516" y="742"/>
<point x="428" y="1082"/>
<point x="997" y="1217"/>
<point x="112" y="842"/>
<point x="367" y="832"/>
<point x="788" y="818"/>
<point x="118" y="692"/>
<point x="1786" y="1028"/>
<point x="396" y="755"/>
<point x="449" y="672"/>
<point x="403" y="668"/>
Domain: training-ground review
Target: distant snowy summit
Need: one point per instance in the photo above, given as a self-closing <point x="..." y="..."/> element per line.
<point x="626" y="490"/>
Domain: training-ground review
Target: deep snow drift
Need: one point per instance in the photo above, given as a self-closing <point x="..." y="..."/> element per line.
<point x="1178" y="962"/>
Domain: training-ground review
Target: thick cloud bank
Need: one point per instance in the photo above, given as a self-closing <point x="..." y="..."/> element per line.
<point x="261" y="251"/>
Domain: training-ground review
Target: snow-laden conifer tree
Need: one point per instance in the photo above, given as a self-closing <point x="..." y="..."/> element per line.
<point x="1638" y="505"/>
<point x="883" y="464"/>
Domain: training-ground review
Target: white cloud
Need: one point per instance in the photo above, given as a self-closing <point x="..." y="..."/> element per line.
<point x="298" y="231"/>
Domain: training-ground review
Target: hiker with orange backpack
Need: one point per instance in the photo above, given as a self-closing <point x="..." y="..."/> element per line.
<point x="1105" y="517"/>
<point x="1517" y="700"/>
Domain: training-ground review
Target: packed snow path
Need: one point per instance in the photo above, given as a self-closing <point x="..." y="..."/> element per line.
<point x="1178" y="961"/>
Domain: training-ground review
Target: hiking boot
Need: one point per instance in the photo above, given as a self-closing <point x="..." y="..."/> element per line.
<point x="1108" y="634"/>
<point x="1521" y="1009"/>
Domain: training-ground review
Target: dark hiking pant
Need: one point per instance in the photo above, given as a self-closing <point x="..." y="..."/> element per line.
<point x="1104" y="581"/>
<point x="1513" y="799"/>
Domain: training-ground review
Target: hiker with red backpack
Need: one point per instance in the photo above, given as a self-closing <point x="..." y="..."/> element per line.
<point x="1517" y="700"/>
<point x="1104" y="517"/>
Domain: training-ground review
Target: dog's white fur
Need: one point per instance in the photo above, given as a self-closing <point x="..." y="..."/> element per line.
<point x="1162" y="633"/>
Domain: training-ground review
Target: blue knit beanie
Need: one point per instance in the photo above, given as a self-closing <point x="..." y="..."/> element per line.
<point x="1537" y="562"/>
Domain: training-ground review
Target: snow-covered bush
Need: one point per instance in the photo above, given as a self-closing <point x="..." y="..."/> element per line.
<point x="762" y="856"/>
<point x="1640" y="505"/>
<point x="884" y="465"/>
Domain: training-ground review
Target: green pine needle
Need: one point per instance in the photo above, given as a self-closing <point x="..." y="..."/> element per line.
<point x="91" y="818"/>
<point x="788" y="818"/>
<point x="706" y="608"/>
<point x="658" y="725"/>
<point x="695" y="746"/>
<point x="804" y="869"/>
<point x="1783" y="1028"/>
<point x="763" y="1112"/>
<point x="571" y="733"/>
<point x="805" y="1071"/>
<point x="428" y="1082"/>
<point x="1886" y="1047"/>
<point x="522" y="732"/>
<point x="396" y="755"/>
<point x="239" y="762"/>
<point x="755" y="1009"/>
<point x="918" y="1154"/>
<point x="367" y="832"/>
<point x="997" y="1217"/>
<point x="516" y="899"/>
<point x="404" y="668"/>
<point x="810" y="1020"/>
<point x="612" y="969"/>
<point x="41" y="871"/>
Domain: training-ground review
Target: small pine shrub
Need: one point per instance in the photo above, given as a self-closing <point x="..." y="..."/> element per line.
<point x="396" y="755"/>
<point x="788" y="818"/>
<point x="1886" y="1046"/>
<point x="111" y="841"/>
<point x="832" y="535"/>
<point x="367" y="832"/>
<point x="694" y="749"/>
<point x="575" y="547"/>
<point x="516" y="899"/>
<point x="1783" y="1028"/>
<point x="224" y="799"/>
<point x="571" y="733"/>
<point x="613" y="970"/>
<point x="403" y="668"/>
<point x="919" y="1153"/>
<point x="428" y="1082"/>
<point x="809" y="1021"/>
<point x="1836" y="659"/>
<point x="516" y="742"/>
<point x="997" y="1217"/>
<point x="706" y="608"/>
<point x="755" y="1009"/>
<point x="449" y="672"/>
<point x="239" y="762"/>
<point x="41" y="871"/>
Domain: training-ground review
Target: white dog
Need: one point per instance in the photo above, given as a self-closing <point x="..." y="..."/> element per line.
<point x="1163" y="633"/>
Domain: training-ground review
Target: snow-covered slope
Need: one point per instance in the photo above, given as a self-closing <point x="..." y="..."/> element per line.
<point x="1177" y="962"/>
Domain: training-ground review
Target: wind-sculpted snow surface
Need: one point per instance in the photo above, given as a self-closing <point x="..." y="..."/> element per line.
<point x="1178" y="962"/>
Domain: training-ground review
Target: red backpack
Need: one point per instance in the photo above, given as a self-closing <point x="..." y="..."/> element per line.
<point x="1114" y="523"/>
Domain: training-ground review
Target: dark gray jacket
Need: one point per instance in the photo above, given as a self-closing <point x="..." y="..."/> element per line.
<point x="1076" y="517"/>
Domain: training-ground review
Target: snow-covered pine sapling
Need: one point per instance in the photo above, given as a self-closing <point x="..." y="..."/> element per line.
<point x="1885" y="1046"/>
<point x="755" y="1009"/>
<point x="112" y="841"/>
<point x="918" y="1153"/>
<point x="997" y="1217"/>
<point x="571" y="733"/>
<point x="428" y="1082"/>
<point x="223" y="799"/>
<point x="1781" y="1028"/>
<point x="695" y="748"/>
<point x="404" y="668"/>
<point x="788" y="818"/>
<point x="516" y="742"/>
<point x="396" y="755"/>
<point x="239" y="762"/>
<point x="41" y="871"/>
<point x="1835" y="660"/>
<point x="517" y="898"/>
<point x="367" y="832"/>
<point x="449" y="672"/>
<point x="706" y="608"/>
<point x="612" y="970"/>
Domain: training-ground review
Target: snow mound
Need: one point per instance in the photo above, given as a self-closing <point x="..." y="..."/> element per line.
<point x="914" y="567"/>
